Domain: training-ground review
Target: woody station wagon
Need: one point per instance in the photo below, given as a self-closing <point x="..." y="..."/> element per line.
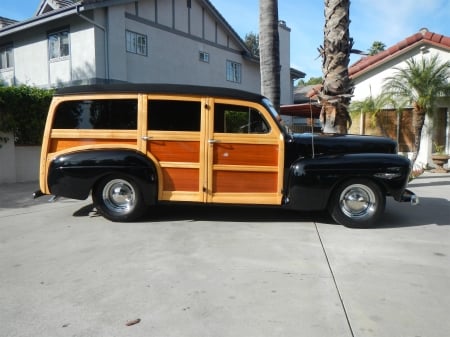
<point x="135" y="145"/>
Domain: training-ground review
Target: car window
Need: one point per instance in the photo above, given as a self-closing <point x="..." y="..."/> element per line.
<point x="120" y="114"/>
<point x="174" y="115"/>
<point x="230" y="118"/>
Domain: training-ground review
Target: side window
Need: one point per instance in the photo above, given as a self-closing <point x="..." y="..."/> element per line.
<point x="120" y="114"/>
<point x="238" y="119"/>
<point x="172" y="115"/>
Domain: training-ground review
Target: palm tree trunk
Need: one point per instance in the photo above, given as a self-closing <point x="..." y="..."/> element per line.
<point x="269" y="50"/>
<point x="419" y="121"/>
<point x="337" y="87"/>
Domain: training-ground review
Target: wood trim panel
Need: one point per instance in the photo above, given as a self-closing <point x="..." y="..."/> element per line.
<point x="57" y="145"/>
<point x="175" y="151"/>
<point x="93" y="134"/>
<point x="241" y="182"/>
<point x="246" y="154"/>
<point x="180" y="179"/>
<point x="248" y="198"/>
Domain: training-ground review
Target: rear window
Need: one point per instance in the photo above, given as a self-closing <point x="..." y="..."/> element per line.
<point x="173" y="115"/>
<point x="116" y="114"/>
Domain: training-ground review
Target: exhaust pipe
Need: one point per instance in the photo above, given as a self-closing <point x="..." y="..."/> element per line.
<point x="37" y="194"/>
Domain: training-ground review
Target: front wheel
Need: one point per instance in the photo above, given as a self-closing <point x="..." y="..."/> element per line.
<point x="357" y="203"/>
<point x="118" y="198"/>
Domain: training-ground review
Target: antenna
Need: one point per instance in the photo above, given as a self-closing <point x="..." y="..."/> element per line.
<point x="312" y="126"/>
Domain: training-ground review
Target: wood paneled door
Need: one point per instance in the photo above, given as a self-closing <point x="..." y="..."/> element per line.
<point x="208" y="150"/>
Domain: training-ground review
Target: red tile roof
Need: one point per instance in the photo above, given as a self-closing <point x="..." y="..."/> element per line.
<point x="422" y="37"/>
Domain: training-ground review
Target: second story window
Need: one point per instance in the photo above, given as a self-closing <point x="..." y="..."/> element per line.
<point x="204" y="57"/>
<point x="6" y="57"/>
<point x="58" y="44"/>
<point x="233" y="72"/>
<point x="136" y="43"/>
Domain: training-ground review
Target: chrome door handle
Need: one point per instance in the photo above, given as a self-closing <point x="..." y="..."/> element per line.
<point x="212" y="141"/>
<point x="146" y="138"/>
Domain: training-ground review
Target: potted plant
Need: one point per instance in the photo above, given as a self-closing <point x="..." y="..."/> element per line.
<point x="440" y="158"/>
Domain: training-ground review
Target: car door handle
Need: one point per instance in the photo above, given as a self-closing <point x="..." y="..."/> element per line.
<point x="146" y="138"/>
<point x="212" y="141"/>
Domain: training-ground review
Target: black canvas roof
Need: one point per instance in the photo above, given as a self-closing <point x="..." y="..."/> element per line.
<point x="126" y="88"/>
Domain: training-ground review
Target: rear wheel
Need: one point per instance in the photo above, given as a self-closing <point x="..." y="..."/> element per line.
<point x="357" y="203"/>
<point x="118" y="198"/>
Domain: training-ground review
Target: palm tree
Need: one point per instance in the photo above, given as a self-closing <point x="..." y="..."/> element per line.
<point x="252" y="42"/>
<point x="337" y="87"/>
<point x="269" y="50"/>
<point x="377" y="47"/>
<point x="421" y="82"/>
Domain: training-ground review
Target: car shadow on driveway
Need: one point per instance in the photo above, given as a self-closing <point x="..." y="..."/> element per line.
<point x="200" y="212"/>
<point x="430" y="211"/>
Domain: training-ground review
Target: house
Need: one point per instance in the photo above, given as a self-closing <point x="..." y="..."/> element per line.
<point x="369" y="73"/>
<point x="71" y="42"/>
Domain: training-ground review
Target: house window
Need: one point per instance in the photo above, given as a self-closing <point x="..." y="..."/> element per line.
<point x="233" y="72"/>
<point x="58" y="44"/>
<point x="6" y="57"/>
<point x="136" y="43"/>
<point x="204" y="57"/>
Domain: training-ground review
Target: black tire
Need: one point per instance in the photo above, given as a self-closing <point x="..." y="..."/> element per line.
<point x="357" y="203"/>
<point x="118" y="198"/>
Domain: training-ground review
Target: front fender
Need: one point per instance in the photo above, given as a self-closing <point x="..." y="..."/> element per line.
<point x="73" y="175"/>
<point x="312" y="180"/>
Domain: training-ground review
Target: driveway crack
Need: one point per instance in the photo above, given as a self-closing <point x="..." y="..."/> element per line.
<point x="334" y="281"/>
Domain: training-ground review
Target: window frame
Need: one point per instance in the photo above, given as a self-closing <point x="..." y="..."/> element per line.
<point x="133" y="46"/>
<point x="203" y="56"/>
<point x="7" y="54"/>
<point x="110" y="108"/>
<point x="233" y="71"/>
<point x="63" y="53"/>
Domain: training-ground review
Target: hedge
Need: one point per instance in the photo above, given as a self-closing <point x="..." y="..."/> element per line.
<point x="23" y="111"/>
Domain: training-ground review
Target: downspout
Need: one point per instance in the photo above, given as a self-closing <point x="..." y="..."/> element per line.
<point x="105" y="34"/>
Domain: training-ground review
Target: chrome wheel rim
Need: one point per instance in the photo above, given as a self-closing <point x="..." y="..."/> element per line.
<point x="358" y="201"/>
<point x="119" y="196"/>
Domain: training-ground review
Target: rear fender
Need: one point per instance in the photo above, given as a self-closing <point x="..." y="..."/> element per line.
<point x="73" y="175"/>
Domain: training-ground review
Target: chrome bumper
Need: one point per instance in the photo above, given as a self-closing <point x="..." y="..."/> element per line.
<point x="408" y="196"/>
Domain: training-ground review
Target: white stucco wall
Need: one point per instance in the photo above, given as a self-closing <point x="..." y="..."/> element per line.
<point x="83" y="55"/>
<point x="173" y="57"/>
<point x="31" y="59"/>
<point x="285" y="63"/>
<point x="7" y="160"/>
<point x="18" y="163"/>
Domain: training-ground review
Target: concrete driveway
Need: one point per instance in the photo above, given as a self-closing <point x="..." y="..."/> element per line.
<point x="223" y="271"/>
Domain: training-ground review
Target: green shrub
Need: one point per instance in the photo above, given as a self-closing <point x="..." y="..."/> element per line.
<point x="23" y="111"/>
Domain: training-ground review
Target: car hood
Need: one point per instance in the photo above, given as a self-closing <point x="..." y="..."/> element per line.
<point x="334" y="144"/>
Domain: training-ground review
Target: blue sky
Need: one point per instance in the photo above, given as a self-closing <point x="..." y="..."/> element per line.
<point x="371" y="20"/>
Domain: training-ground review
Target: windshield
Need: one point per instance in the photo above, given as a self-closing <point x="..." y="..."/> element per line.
<point x="269" y="105"/>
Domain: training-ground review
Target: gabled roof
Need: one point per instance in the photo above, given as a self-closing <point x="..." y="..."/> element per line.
<point x="422" y="38"/>
<point x="50" y="5"/>
<point x="6" y="22"/>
